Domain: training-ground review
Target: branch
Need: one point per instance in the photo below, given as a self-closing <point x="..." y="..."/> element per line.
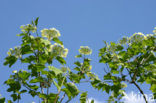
<point x="140" y="91"/>
<point x="62" y="97"/>
<point x="85" y="81"/>
<point x="59" y="91"/>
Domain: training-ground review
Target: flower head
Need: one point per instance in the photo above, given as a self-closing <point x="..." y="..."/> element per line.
<point x="85" y="50"/>
<point x="59" y="50"/>
<point x="50" y="33"/>
<point x="137" y="37"/>
<point x="28" y="27"/>
<point x="148" y="36"/>
<point x="154" y="31"/>
<point x="16" y="52"/>
<point x="15" y="71"/>
<point x="10" y="52"/>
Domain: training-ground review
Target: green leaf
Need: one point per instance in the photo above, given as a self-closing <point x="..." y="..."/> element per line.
<point x="52" y="97"/>
<point x="13" y="85"/>
<point x="92" y="101"/>
<point x="28" y="59"/>
<point x="153" y="88"/>
<point x="44" y="96"/>
<point x="21" y="34"/>
<point x="33" y="93"/>
<point x="68" y="93"/>
<point x="83" y="97"/>
<point x="2" y="100"/>
<point x="102" y="51"/>
<point x="61" y="60"/>
<point x="38" y="79"/>
<point x="95" y="82"/>
<point x="71" y="90"/>
<point x="55" y="70"/>
<point x="115" y="71"/>
<point x="78" y="63"/>
<point x="78" y="56"/>
<point x="10" y="60"/>
<point x="23" y="91"/>
<point x="39" y="67"/>
<point x="57" y="41"/>
<point x="9" y="101"/>
<point x="36" y="21"/>
<point x="26" y="49"/>
<point x="119" y="48"/>
<point x="74" y="77"/>
<point x="24" y="75"/>
<point x="14" y="96"/>
<point x="34" y="87"/>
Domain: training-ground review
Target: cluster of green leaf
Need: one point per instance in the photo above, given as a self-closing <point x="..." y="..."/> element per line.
<point x="39" y="54"/>
<point x="132" y="60"/>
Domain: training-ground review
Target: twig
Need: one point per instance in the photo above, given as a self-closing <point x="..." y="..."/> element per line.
<point x="59" y="91"/>
<point x="140" y="91"/>
<point x="62" y="97"/>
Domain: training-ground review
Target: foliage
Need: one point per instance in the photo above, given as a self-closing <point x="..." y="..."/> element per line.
<point x="40" y="53"/>
<point x="132" y="60"/>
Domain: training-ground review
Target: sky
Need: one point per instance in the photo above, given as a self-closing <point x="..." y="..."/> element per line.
<point x="81" y="23"/>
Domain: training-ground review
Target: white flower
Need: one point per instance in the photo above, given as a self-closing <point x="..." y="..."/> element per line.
<point x="137" y="37"/>
<point x="50" y="33"/>
<point x="65" y="52"/>
<point x="17" y="52"/>
<point x="154" y="31"/>
<point x="148" y="36"/>
<point x="85" y="50"/>
<point x="15" y="71"/>
<point x="10" y="52"/>
<point x="59" y="50"/>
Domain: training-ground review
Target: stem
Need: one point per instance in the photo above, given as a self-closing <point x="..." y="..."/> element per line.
<point x="59" y="91"/>
<point x="48" y="90"/>
<point x="138" y="87"/>
<point x="140" y="91"/>
<point x="62" y="97"/>
<point x="37" y="60"/>
<point x="18" y="100"/>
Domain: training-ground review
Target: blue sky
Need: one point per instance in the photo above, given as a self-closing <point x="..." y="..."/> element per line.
<point x="80" y="22"/>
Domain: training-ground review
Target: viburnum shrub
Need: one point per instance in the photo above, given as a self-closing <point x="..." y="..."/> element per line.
<point x="40" y="51"/>
<point x="132" y="60"/>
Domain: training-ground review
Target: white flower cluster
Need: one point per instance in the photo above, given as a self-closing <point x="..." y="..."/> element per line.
<point x="137" y="37"/>
<point x="50" y="33"/>
<point x="154" y="31"/>
<point x="58" y="50"/>
<point x="28" y="27"/>
<point x="16" y="52"/>
<point x="85" y="50"/>
<point x="15" y="71"/>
